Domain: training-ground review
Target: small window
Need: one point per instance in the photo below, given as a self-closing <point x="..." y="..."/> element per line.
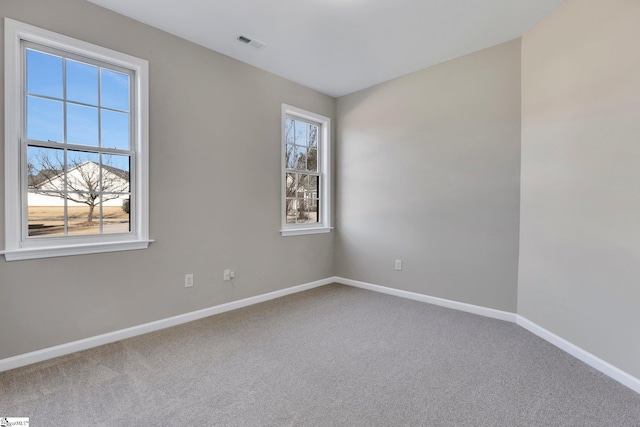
<point x="76" y="146"/>
<point x="305" y="172"/>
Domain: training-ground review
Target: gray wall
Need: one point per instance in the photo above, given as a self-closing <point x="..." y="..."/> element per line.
<point x="580" y="223"/>
<point x="428" y="169"/>
<point x="215" y="194"/>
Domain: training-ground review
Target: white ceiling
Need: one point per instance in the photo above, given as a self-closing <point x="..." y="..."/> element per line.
<point x="340" y="46"/>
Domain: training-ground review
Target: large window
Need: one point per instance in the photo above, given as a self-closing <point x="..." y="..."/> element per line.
<point x="76" y="146"/>
<point x="305" y="176"/>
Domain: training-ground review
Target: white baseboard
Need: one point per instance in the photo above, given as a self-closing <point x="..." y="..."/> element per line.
<point x="606" y="368"/>
<point x="84" y="344"/>
<point x="595" y="362"/>
<point x="460" y="306"/>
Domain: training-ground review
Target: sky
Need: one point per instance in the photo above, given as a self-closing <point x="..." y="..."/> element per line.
<point x="96" y="106"/>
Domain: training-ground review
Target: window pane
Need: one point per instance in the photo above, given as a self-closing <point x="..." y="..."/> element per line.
<point x="83" y="177"/>
<point x="289" y="151"/>
<point x="292" y="210"/>
<point x="122" y="163"/>
<point x="292" y="156"/>
<point x="115" y="130"/>
<point x="84" y="218"/>
<point x="309" y="211"/>
<point x="301" y="158"/>
<point x="300" y="133"/>
<point x="300" y="186"/>
<point x="45" y="169"/>
<point x="44" y="119"/>
<point x="296" y="157"/>
<point x="313" y="136"/>
<point x="114" y="90"/>
<point x="302" y="211"/>
<point x="291" y="184"/>
<point x="302" y="198"/>
<point x="82" y="82"/>
<point x="312" y="160"/>
<point x="45" y="215"/>
<point x="309" y="186"/>
<point x="313" y="210"/>
<point x="82" y="125"/>
<point x="115" y="174"/>
<point x="288" y="131"/>
<point x="115" y="214"/>
<point x="44" y="74"/>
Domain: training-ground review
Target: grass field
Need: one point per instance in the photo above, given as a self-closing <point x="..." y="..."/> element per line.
<point x="49" y="220"/>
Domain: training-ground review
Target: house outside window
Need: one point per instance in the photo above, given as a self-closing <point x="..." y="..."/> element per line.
<point x="76" y="146"/>
<point x="305" y="172"/>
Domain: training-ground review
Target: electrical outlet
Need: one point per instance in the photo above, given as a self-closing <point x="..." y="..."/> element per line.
<point x="188" y="280"/>
<point x="398" y="264"/>
<point x="228" y="274"/>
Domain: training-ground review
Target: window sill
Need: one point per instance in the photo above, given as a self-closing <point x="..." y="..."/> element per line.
<point x="68" y="250"/>
<point x="302" y="231"/>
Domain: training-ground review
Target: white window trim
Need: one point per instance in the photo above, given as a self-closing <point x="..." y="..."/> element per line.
<point x="324" y="163"/>
<point x="15" y="247"/>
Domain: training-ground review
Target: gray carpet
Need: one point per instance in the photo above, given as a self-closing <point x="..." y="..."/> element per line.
<point x="331" y="356"/>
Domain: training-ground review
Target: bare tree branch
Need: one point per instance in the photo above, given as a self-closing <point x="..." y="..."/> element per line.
<point x="86" y="182"/>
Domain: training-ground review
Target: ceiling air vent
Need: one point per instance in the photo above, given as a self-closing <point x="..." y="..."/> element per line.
<point x="251" y="42"/>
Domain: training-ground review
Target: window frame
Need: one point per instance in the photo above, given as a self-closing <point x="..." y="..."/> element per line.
<point x="17" y="244"/>
<point x="324" y="169"/>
